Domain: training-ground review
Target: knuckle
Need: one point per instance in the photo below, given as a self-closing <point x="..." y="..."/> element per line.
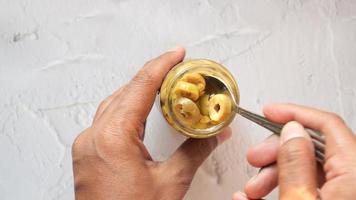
<point x="164" y="57"/>
<point x="117" y="131"/>
<point x="333" y="163"/>
<point x="332" y="120"/>
<point x="149" y="62"/>
<point x="78" y="142"/>
<point x="335" y="118"/>
<point x="143" y="78"/>
<point x="104" y="103"/>
<point x="118" y="91"/>
<point x="108" y="143"/>
<point x="339" y="165"/>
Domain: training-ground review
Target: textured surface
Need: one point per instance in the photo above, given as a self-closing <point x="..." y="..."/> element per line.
<point x="60" y="58"/>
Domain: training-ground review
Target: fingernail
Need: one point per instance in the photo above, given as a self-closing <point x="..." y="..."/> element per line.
<point x="239" y="196"/>
<point x="260" y="173"/>
<point x="177" y="48"/>
<point x="292" y="130"/>
<point x="224" y="135"/>
<point x="260" y="170"/>
<point x="252" y="180"/>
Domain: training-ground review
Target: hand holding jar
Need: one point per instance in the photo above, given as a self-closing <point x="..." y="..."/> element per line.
<point x="110" y="160"/>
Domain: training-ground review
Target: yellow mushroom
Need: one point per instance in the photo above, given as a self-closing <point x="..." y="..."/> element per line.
<point x="219" y="108"/>
<point x="187" y="90"/>
<point x="186" y="111"/>
<point x="204" y="119"/>
<point x="196" y="79"/>
<point x="204" y="104"/>
<point x="203" y="123"/>
<point x="200" y="125"/>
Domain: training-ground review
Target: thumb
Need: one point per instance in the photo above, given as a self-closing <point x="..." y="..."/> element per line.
<point x="192" y="153"/>
<point x="296" y="164"/>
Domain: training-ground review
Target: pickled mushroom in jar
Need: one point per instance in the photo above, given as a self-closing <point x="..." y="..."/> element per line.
<point x="197" y="108"/>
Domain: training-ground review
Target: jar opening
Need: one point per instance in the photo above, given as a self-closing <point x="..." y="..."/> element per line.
<point x="217" y="80"/>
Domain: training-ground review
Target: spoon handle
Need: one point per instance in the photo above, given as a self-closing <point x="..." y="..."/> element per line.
<point x="317" y="138"/>
<point x="262" y="121"/>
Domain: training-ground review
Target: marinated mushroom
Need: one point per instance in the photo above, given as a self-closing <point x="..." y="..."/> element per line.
<point x="187" y="111"/>
<point x="219" y="108"/>
<point x="194" y="107"/>
<point x="187" y="90"/>
<point x="196" y="79"/>
<point x="204" y="104"/>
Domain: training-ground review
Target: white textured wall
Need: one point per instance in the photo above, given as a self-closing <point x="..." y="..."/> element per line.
<point x="60" y="58"/>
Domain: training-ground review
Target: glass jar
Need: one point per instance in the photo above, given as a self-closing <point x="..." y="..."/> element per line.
<point x="206" y="68"/>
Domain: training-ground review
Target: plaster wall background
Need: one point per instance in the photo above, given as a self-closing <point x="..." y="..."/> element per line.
<point x="60" y="58"/>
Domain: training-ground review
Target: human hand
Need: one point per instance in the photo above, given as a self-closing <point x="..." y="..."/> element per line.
<point x="110" y="160"/>
<point x="297" y="173"/>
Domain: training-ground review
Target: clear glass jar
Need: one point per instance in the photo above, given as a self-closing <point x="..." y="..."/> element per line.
<point x="206" y="68"/>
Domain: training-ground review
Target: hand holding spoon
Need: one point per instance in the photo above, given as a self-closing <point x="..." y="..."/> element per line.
<point x="276" y="128"/>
